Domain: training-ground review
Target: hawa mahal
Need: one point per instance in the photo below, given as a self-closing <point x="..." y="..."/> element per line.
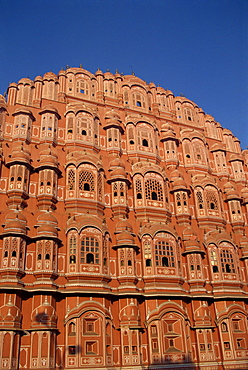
<point x="123" y="233"/>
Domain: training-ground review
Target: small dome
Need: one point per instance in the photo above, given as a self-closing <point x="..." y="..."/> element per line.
<point x="117" y="162"/>
<point x="179" y="184"/>
<point x="218" y="147"/>
<point x="47" y="230"/>
<point x="236" y="157"/>
<point x="38" y="78"/>
<point x="230" y="191"/>
<point x="15" y="226"/>
<point x="25" y="81"/>
<point x="20" y="153"/>
<point x="189" y="233"/>
<point x="15" y="215"/>
<point x="50" y="76"/>
<point x="244" y="194"/>
<point x="118" y="172"/>
<point x="47" y="218"/>
<point x="48" y="157"/>
<point x="192" y="246"/>
<point x="175" y="175"/>
<point x="167" y="127"/>
<point x="23" y="111"/>
<point x="228" y="186"/>
<point x="111" y="114"/>
<point x="125" y="238"/>
<point x="49" y="108"/>
<point x="123" y="225"/>
<point x="99" y="72"/>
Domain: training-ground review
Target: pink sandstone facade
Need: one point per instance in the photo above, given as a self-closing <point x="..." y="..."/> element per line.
<point x="123" y="233"/>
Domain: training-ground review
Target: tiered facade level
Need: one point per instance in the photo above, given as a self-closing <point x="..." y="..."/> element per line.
<point x="123" y="237"/>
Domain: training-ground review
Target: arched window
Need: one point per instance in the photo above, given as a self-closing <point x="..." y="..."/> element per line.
<point x="145" y="142"/>
<point x="73" y="249"/>
<point x="154" y="190"/>
<point x="148" y="262"/>
<point x="154" y="195"/>
<point x="227" y="261"/>
<point x="72" y="329"/>
<point x="164" y="252"/>
<point x="165" y="261"/>
<point x="211" y="195"/>
<point x="71" y="179"/>
<point x="89" y="258"/>
<point x="199" y="198"/>
<point x="86" y="181"/>
<point x="214" y="260"/>
<point x="90" y="250"/>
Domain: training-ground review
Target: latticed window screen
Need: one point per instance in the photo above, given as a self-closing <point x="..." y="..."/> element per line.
<point x="99" y="181"/>
<point x="178" y="197"/>
<point x="121" y="188"/>
<point x="199" y="198"/>
<point x="186" y="148"/>
<point x="147" y="249"/>
<point x="73" y="245"/>
<point x="227" y="262"/>
<point x="89" y="246"/>
<point x="138" y="187"/>
<point x="164" y="249"/>
<point x="82" y="87"/>
<point x="126" y="96"/>
<point x="153" y="186"/>
<point x="14" y="245"/>
<point x="86" y="177"/>
<point x="122" y="257"/>
<point x="212" y="201"/>
<point x="70" y="124"/>
<point x="131" y="133"/>
<point x="115" y="188"/>
<point x="71" y="180"/>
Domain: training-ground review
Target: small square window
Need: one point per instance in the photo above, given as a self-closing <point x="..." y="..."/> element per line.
<point x="72" y="350"/>
<point x="226" y="345"/>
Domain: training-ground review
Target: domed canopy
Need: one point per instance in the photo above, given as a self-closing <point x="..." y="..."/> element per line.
<point x="47" y="225"/>
<point x="244" y="194"/>
<point x="47" y="230"/>
<point x="47" y="218"/>
<point x="117" y="162"/>
<point x="118" y="173"/>
<point x="25" y="81"/>
<point x="15" y="222"/>
<point x="124" y="238"/>
<point x="50" y="76"/>
<point x="48" y="157"/>
<point x="123" y="225"/>
<point x="231" y="192"/>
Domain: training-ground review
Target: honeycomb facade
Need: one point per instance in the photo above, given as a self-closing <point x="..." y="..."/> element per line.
<point x="123" y="237"/>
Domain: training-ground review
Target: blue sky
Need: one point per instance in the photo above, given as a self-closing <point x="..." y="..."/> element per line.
<point x="195" y="47"/>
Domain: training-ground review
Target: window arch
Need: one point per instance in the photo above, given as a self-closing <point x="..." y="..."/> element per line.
<point x="138" y="99"/>
<point x="82" y="87"/>
<point x="90" y="247"/>
<point x="72" y="249"/>
<point x="141" y="138"/>
<point x="161" y="251"/>
<point x="86" y="181"/>
<point x="199" y="151"/>
<point x="151" y="190"/>
<point x="207" y="201"/>
<point x="223" y="261"/>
